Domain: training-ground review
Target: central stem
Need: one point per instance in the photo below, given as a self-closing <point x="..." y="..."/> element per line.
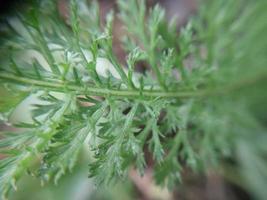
<point x="92" y="90"/>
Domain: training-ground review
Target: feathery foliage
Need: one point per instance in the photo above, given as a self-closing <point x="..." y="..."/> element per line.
<point x="201" y="103"/>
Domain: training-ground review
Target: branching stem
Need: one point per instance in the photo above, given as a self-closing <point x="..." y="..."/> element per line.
<point x="62" y="86"/>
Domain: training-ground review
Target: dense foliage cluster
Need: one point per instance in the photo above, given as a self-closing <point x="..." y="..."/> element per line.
<point x="201" y="104"/>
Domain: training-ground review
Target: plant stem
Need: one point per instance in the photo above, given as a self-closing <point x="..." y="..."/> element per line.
<point x="63" y="86"/>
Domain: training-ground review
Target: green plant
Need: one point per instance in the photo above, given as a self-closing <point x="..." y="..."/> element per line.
<point x="201" y="103"/>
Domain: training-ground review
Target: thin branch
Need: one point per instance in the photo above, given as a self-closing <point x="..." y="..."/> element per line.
<point x="62" y="86"/>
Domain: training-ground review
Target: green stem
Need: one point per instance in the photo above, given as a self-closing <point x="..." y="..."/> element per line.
<point x="62" y="86"/>
<point x="118" y="68"/>
<point x="46" y="51"/>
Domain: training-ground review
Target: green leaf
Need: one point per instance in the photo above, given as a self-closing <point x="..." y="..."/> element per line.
<point x="11" y="99"/>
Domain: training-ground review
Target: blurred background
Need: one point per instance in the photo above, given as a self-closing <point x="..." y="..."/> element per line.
<point x="77" y="186"/>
